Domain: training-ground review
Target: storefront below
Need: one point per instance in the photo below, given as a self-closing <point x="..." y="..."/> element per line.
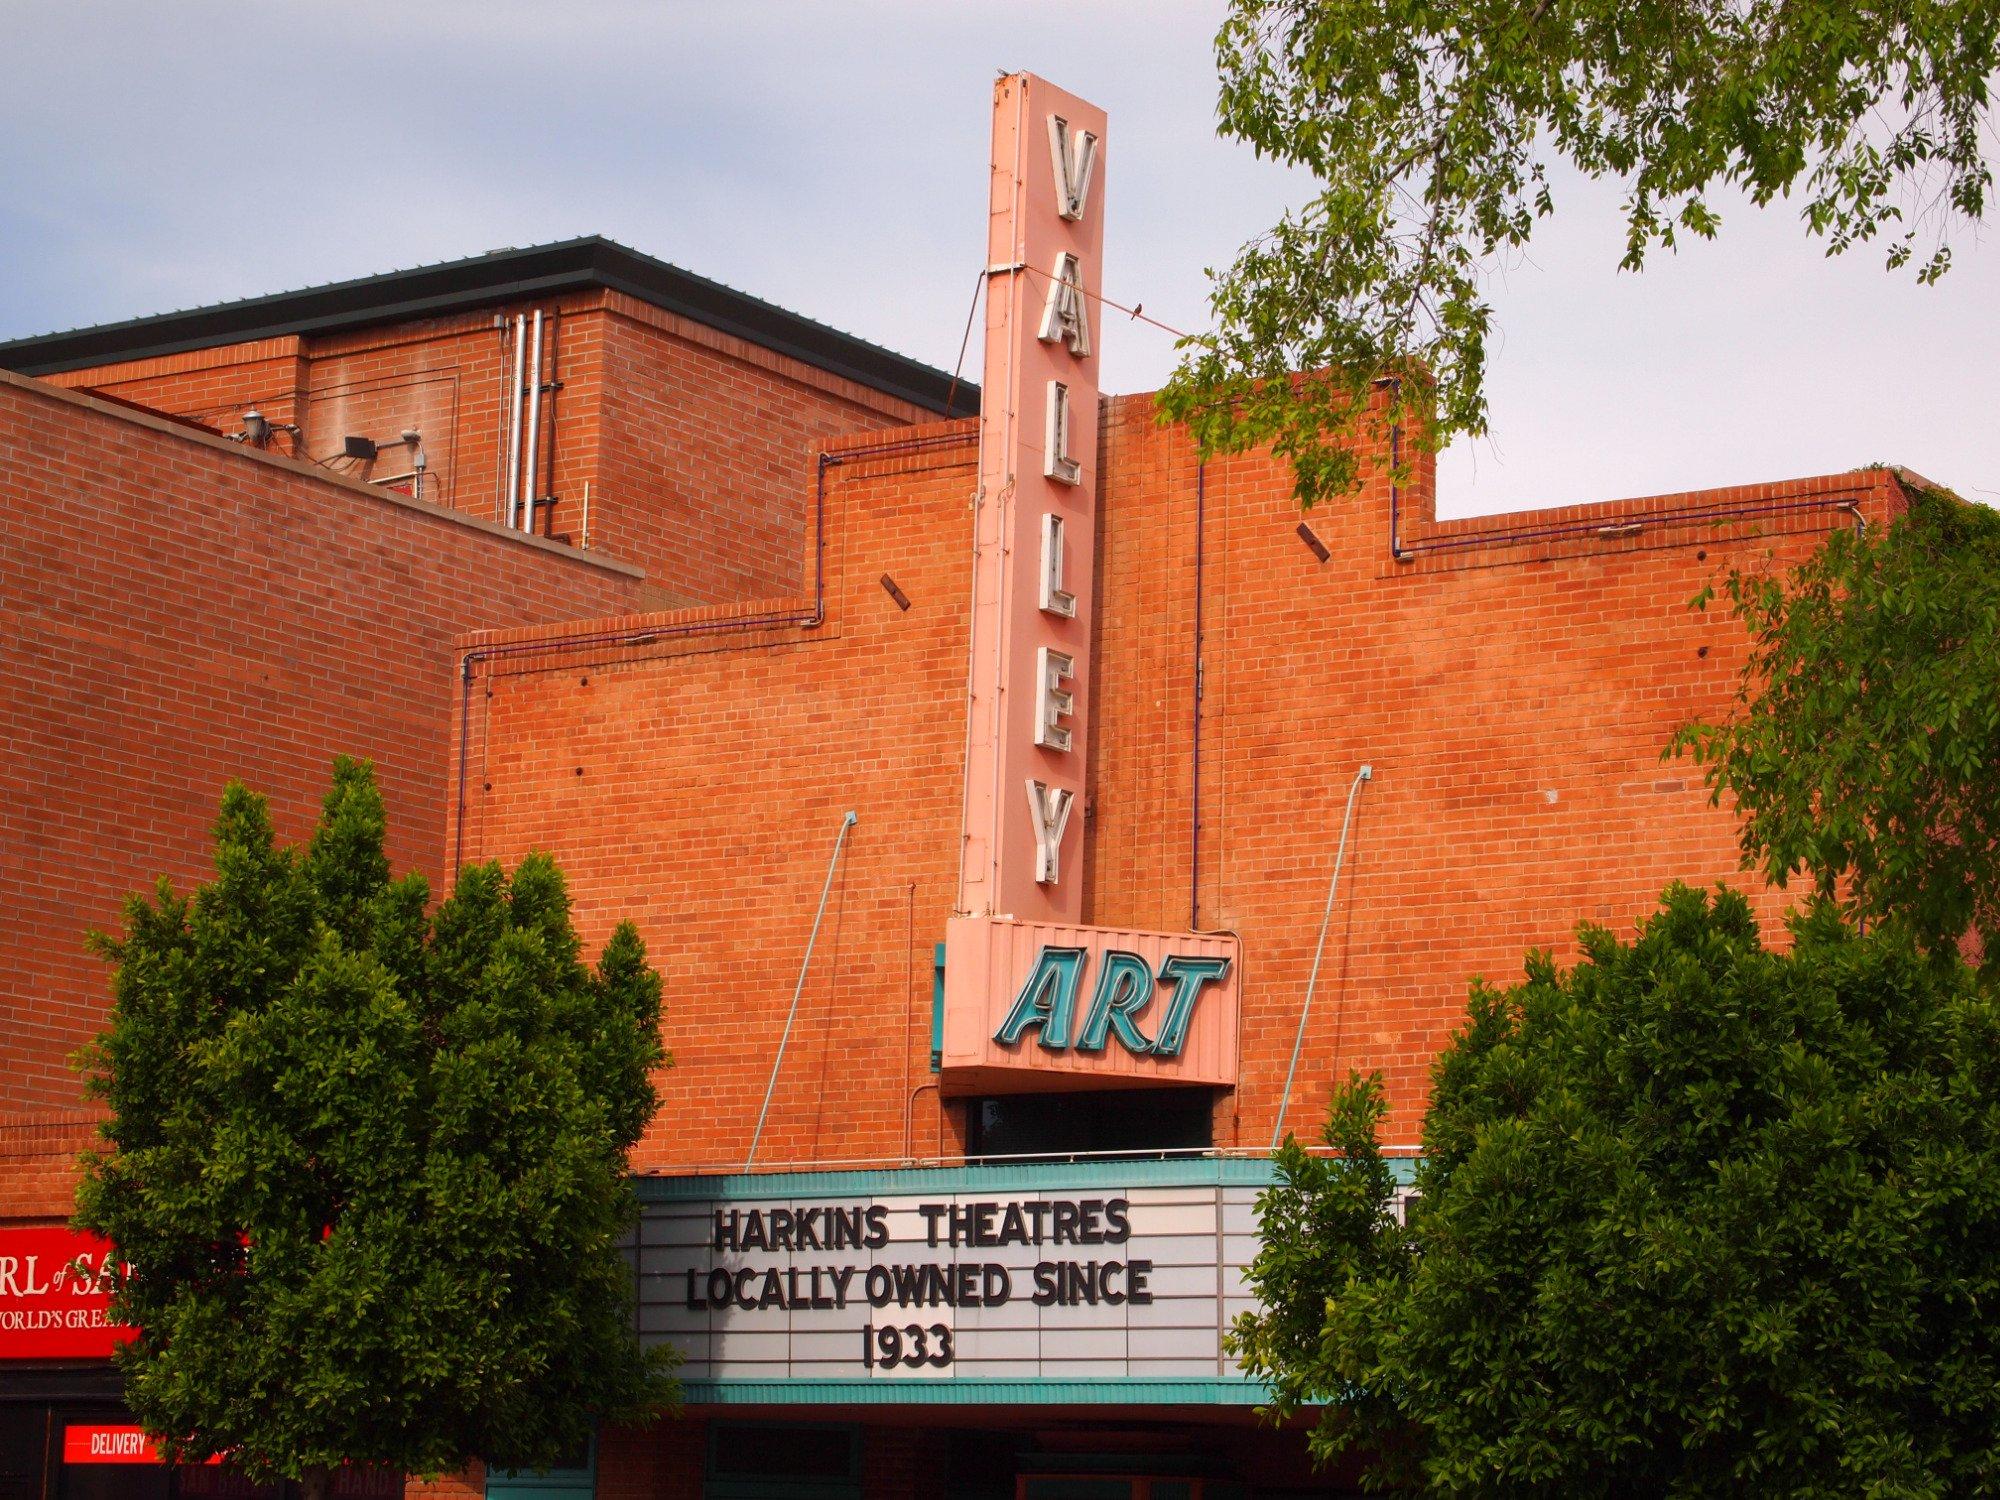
<point x="66" y="1435"/>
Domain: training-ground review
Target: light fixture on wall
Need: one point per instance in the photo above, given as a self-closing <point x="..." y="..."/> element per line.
<point x="257" y="429"/>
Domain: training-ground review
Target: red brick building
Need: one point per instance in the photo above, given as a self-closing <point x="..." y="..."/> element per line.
<point x="685" y="581"/>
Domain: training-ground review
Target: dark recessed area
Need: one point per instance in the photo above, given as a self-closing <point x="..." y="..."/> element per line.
<point x="1136" y="1120"/>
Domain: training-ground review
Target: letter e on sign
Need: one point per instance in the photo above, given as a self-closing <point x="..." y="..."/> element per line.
<point x="1053" y="702"/>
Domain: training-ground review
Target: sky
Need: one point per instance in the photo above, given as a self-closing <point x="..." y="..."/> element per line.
<point x="831" y="157"/>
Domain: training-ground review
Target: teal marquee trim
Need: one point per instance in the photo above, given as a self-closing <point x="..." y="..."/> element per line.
<point x="1123" y="1391"/>
<point x="937" y="1008"/>
<point x="1207" y="1171"/>
<point x="550" y="1484"/>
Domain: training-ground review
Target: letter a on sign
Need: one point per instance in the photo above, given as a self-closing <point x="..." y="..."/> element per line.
<point x="1047" y="998"/>
<point x="1063" y="316"/>
<point x="1073" y="154"/>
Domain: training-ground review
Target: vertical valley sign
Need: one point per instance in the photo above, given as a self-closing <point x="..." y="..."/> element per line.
<point x="1028" y="668"/>
<point x="1033" y="999"/>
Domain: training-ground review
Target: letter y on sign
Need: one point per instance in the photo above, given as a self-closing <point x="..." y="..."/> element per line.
<point x="1049" y="806"/>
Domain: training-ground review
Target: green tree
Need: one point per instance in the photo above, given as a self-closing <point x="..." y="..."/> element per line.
<point x="368" y="1164"/>
<point x="1429" y="129"/>
<point x="1864" y="751"/>
<point x="1693" y="1218"/>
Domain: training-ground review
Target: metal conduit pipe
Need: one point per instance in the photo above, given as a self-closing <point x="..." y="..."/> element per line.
<point x="499" y="406"/>
<point x="1194" y="810"/>
<point x="533" y="396"/>
<point x="909" y="1118"/>
<point x="514" y="422"/>
<point x="805" y="966"/>
<point x="1365" y="773"/>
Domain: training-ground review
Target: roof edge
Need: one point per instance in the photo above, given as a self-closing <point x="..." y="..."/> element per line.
<point x="485" y="280"/>
<point x="125" y="411"/>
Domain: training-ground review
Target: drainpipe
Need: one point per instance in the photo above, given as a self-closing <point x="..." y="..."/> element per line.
<point x="1194" y="852"/>
<point x="514" y="421"/>
<point x="531" y="472"/>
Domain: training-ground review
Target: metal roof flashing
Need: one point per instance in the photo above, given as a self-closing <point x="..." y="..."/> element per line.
<point x="497" y="277"/>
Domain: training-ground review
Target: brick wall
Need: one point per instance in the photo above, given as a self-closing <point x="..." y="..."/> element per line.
<point x="701" y="473"/>
<point x="696" y="781"/>
<point x="211" y="386"/>
<point x="178" y="611"/>
<point x="446" y="377"/>
<point x="690" y="442"/>
<point x="1512" y="697"/>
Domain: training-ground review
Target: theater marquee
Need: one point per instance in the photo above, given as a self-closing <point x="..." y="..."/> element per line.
<point x="1037" y="1273"/>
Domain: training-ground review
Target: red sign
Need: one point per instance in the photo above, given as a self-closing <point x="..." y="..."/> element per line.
<point x="52" y="1305"/>
<point x="94" y="1443"/>
<point x="101" y="1443"/>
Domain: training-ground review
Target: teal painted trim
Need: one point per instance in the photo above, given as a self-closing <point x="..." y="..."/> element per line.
<point x="1126" y="1391"/>
<point x="1202" y="1171"/>
<point x="937" y="1009"/>
<point x="553" y="1484"/>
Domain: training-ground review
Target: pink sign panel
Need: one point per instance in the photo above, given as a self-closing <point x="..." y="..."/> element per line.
<point x="1035" y="521"/>
<point x="1035" y="1006"/>
<point x="51" y="1303"/>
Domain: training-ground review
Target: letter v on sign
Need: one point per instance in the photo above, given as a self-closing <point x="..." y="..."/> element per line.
<point x="1072" y="153"/>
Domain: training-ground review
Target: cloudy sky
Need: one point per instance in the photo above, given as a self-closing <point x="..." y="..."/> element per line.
<point x="830" y="157"/>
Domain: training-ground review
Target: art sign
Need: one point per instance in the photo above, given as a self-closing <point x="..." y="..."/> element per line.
<point x="54" y="1300"/>
<point x="950" y="1279"/>
<point x="1031" y="1006"/>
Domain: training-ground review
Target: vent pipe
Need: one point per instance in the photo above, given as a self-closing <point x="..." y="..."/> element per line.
<point x="514" y="423"/>
<point x="531" y="471"/>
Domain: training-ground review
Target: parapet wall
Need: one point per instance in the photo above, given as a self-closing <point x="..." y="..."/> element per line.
<point x="178" y="611"/>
